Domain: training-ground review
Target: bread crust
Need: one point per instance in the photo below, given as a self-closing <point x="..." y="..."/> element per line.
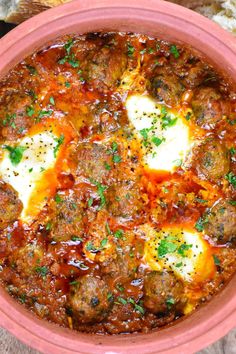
<point x="25" y="9"/>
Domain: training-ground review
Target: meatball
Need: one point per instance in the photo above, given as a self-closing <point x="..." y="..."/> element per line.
<point x="163" y="293"/>
<point x="67" y="217"/>
<point x="167" y="88"/>
<point x="29" y="259"/>
<point x="123" y="200"/>
<point x="16" y="123"/>
<point x="106" y="67"/>
<point x="10" y="205"/>
<point x="210" y="160"/>
<point x="90" y="299"/>
<point x="209" y="107"/>
<point x="221" y="222"/>
<point x="92" y="162"/>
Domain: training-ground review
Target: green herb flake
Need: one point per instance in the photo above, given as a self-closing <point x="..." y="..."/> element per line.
<point x="188" y="116"/>
<point x="76" y="238"/>
<point x="52" y="101"/>
<point x="130" y="50"/>
<point x="58" y="199"/>
<point x="32" y="69"/>
<point x="200" y="224"/>
<point x="44" y="113"/>
<point x="59" y="142"/>
<point x="216" y="260"/>
<point x="120" y="287"/>
<point x="42" y="271"/>
<point x="157" y="141"/>
<point x="166" y="247"/>
<point x="119" y="234"/>
<point x="100" y="191"/>
<point x="231" y="178"/>
<point x="199" y="200"/>
<point x="232" y="202"/>
<point x="16" y="153"/>
<point x="108" y="230"/>
<point x="122" y="300"/>
<point x="90" y="202"/>
<point x="232" y="151"/>
<point x="48" y="226"/>
<point x="183" y="248"/>
<point x="74" y="282"/>
<point x="67" y="84"/>
<point x="170" y="302"/>
<point x="174" y="51"/>
<point x="117" y="159"/>
<point x="30" y="169"/>
<point x="30" y="111"/>
<point x="178" y="265"/>
<point x="107" y="166"/>
<point x="104" y="242"/>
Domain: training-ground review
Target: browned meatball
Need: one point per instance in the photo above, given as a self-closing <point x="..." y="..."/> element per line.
<point x="93" y="161"/>
<point x="66" y="217"/>
<point x="163" y="292"/>
<point x="210" y="160"/>
<point x="209" y="107"/>
<point x="167" y="88"/>
<point x="123" y="200"/>
<point x="106" y="67"/>
<point x="90" y="299"/>
<point x="10" y="205"/>
<point x="221" y="222"/>
<point x="16" y="120"/>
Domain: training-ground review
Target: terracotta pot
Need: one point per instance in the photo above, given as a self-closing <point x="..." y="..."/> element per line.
<point x="157" y="18"/>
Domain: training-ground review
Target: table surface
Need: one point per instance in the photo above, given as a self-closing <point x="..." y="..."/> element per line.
<point x="10" y="345"/>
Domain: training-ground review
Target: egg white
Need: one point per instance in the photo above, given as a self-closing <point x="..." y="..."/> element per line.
<point x="190" y="257"/>
<point x="145" y="114"/>
<point x="29" y="174"/>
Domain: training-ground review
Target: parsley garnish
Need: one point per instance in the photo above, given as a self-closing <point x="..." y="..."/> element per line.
<point x="16" y="153"/>
<point x="30" y="111"/>
<point x="231" y="178"/>
<point x="59" y="142"/>
<point x="69" y="57"/>
<point x="42" y="271"/>
<point x="216" y="260"/>
<point x="58" y="199"/>
<point x="200" y="224"/>
<point x="52" y="101"/>
<point x="166" y="247"/>
<point x="100" y="190"/>
<point x="130" y="51"/>
<point x="90" y="202"/>
<point x="116" y="158"/>
<point x="174" y="51"/>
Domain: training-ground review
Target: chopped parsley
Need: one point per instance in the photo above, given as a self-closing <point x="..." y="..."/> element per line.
<point x="157" y="141"/>
<point x="67" y="84"/>
<point x="42" y="271"/>
<point x="44" y="113"/>
<point x="137" y="307"/>
<point x="9" y="120"/>
<point x="58" y="199"/>
<point x="59" y="142"/>
<point x="200" y="224"/>
<point x="90" y="202"/>
<point x="174" y="51"/>
<point x="32" y="69"/>
<point x="116" y="159"/>
<point x="48" y="226"/>
<point x="104" y="242"/>
<point x="183" y="248"/>
<point x="199" y="200"/>
<point x="216" y="260"/>
<point x="52" y="101"/>
<point x="232" y="151"/>
<point x="166" y="247"/>
<point x="107" y="166"/>
<point x="231" y="178"/>
<point x="232" y="202"/>
<point x="16" y="153"/>
<point x="119" y="233"/>
<point x="69" y="57"/>
<point x="122" y="300"/>
<point x="130" y="50"/>
<point x="188" y="116"/>
<point x="90" y="247"/>
<point x="170" y="301"/>
<point x="167" y="121"/>
<point x="30" y="111"/>
<point x="100" y="191"/>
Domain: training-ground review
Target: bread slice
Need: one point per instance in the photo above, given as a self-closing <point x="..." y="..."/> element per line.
<point x="17" y="11"/>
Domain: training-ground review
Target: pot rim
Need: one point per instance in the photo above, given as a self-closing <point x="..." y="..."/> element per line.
<point x="44" y="336"/>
